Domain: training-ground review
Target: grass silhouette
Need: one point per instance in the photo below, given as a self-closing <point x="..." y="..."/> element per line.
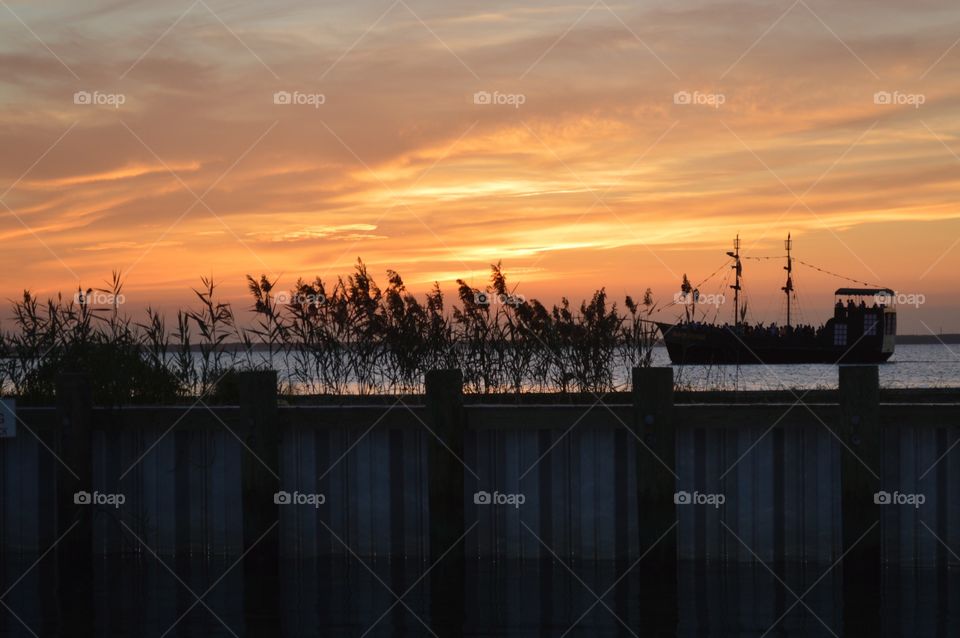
<point x="346" y="337"/>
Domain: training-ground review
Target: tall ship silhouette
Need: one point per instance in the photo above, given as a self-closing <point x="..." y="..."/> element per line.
<point x="863" y="328"/>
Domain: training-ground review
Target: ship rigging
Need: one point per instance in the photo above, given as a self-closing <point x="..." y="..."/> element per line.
<point x="862" y="330"/>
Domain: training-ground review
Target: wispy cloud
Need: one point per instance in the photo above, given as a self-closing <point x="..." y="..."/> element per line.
<point x="577" y="171"/>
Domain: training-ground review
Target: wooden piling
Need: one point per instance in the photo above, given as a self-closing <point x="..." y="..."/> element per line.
<point x="74" y="398"/>
<point x="656" y="453"/>
<point x="445" y="414"/>
<point x="656" y="485"/>
<point x="859" y="432"/>
<point x="259" y="470"/>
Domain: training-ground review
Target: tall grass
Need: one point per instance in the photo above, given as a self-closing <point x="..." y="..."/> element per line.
<point x="73" y="336"/>
<point x="348" y="336"/>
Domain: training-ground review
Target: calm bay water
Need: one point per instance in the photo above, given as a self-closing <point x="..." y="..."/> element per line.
<point x="912" y="366"/>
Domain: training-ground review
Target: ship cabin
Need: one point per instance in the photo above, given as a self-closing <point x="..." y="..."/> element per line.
<point x="865" y="316"/>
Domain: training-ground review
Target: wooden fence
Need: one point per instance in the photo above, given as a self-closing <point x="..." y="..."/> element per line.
<point x="598" y="481"/>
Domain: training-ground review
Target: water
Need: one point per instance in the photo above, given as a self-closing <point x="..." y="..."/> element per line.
<point x="912" y="366"/>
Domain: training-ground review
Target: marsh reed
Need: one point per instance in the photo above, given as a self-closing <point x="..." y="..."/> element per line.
<point x="349" y="336"/>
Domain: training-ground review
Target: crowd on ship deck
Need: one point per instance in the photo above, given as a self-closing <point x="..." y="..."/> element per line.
<point x="761" y="329"/>
<point x="841" y="311"/>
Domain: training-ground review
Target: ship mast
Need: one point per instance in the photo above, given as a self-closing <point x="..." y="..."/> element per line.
<point x="788" y="288"/>
<point x="736" y="287"/>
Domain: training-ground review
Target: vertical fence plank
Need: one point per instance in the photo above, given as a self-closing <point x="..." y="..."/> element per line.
<point x="381" y="494"/>
<point x="605" y="468"/>
<point x="951" y="478"/>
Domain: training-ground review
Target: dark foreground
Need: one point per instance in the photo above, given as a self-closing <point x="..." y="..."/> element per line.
<point x="649" y="517"/>
<point x="141" y="597"/>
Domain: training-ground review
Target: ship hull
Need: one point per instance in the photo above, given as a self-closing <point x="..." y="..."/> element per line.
<point x="725" y="345"/>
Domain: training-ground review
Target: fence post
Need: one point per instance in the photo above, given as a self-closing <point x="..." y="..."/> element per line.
<point x="445" y="415"/>
<point x="74" y="400"/>
<point x="656" y="485"/>
<point x="859" y="430"/>
<point x="259" y="470"/>
<point x="656" y="455"/>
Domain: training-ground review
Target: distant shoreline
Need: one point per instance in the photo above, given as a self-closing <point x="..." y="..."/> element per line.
<point x="928" y="339"/>
<point x="902" y="340"/>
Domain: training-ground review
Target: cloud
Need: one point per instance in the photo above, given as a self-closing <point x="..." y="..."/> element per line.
<point x="201" y="170"/>
<point x="352" y="232"/>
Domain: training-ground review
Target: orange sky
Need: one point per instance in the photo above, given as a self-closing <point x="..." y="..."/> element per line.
<point x="587" y="173"/>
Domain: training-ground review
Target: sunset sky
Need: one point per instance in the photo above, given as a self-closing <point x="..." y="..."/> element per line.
<point x="585" y="169"/>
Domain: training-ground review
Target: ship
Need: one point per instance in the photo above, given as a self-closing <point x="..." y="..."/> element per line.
<point x="863" y="329"/>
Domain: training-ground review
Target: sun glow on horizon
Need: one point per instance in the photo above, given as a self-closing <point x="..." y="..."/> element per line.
<point x="635" y="155"/>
